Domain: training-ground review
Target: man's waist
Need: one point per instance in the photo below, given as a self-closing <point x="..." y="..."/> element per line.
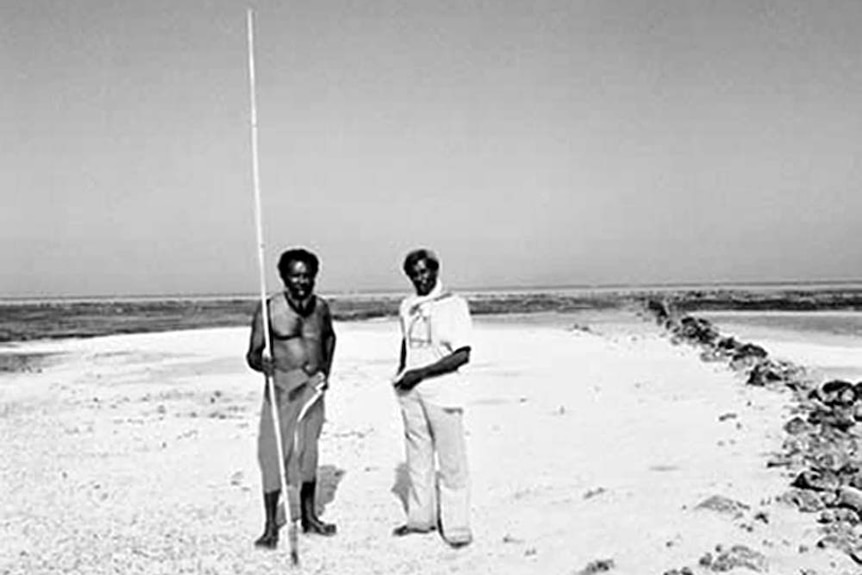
<point x="292" y="378"/>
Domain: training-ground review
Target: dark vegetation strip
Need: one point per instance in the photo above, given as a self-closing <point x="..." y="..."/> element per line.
<point x="766" y="300"/>
<point x="52" y="320"/>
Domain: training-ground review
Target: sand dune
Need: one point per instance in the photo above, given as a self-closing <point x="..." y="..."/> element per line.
<point x="593" y="443"/>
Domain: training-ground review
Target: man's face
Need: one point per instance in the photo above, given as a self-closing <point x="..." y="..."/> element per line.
<point x="423" y="277"/>
<point x="299" y="281"/>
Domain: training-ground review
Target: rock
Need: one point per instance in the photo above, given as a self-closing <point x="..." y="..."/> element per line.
<point x="796" y="426"/>
<point x="597" y="566"/>
<point x="850" y="497"/>
<point x="727" y="344"/>
<point x="817" y="481"/>
<point x="838" y="416"/>
<point x="740" y="556"/>
<point x="747" y="356"/>
<point x="682" y="571"/>
<point x="826" y="516"/>
<point x="837" y="391"/>
<point x="751" y="350"/>
<point x="723" y="505"/>
<point x="831" y="454"/>
<point x="846" y="515"/>
<point x="763" y="374"/>
<point x="838" y="537"/>
<point x="697" y="330"/>
<point x="805" y="501"/>
<point x="828" y="498"/>
<point x="594" y="492"/>
<point x="855" y="481"/>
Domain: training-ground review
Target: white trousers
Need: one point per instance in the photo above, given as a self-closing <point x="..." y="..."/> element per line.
<point x="429" y="431"/>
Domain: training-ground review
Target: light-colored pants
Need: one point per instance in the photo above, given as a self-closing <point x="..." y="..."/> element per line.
<point x="300" y="464"/>
<point x="428" y="430"/>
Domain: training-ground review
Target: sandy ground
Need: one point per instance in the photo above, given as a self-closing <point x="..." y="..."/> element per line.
<point x="590" y="437"/>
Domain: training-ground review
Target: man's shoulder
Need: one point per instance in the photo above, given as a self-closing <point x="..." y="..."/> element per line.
<point x="406" y="303"/>
<point x="277" y="302"/>
<point x="463" y="305"/>
<point x="451" y="304"/>
<point x="452" y="298"/>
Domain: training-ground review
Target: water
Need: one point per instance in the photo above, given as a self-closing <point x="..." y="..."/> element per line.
<point x="819" y="323"/>
<point x="828" y="343"/>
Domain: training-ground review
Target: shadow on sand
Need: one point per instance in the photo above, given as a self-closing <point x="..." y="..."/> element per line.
<point x="328" y="478"/>
<point x="401" y="487"/>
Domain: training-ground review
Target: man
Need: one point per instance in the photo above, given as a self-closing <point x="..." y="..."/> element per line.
<point x="436" y="331"/>
<point x="303" y="343"/>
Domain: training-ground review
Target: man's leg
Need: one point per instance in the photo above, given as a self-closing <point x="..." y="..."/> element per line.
<point x="270" y="478"/>
<point x="267" y="454"/>
<point x="421" y="500"/>
<point x="309" y="435"/>
<point x="447" y="428"/>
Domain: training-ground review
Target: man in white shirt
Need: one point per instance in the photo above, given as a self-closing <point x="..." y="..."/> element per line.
<point x="436" y="330"/>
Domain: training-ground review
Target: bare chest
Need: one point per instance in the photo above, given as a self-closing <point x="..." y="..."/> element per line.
<point x="286" y="323"/>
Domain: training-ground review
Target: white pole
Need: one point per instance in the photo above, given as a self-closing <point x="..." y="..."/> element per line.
<point x="293" y="529"/>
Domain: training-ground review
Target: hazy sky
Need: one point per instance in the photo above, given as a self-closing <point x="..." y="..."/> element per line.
<point x="529" y="143"/>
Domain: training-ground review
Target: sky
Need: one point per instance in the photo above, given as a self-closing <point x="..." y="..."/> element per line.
<point x="541" y="143"/>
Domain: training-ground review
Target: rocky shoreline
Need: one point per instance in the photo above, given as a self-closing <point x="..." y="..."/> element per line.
<point x="820" y="453"/>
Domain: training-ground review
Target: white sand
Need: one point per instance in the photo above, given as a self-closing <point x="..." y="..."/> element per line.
<point x="137" y="455"/>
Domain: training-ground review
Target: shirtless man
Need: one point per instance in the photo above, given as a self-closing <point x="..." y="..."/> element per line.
<point x="303" y="343"/>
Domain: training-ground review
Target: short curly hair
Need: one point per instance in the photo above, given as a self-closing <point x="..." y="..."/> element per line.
<point x="418" y="255"/>
<point x="298" y="255"/>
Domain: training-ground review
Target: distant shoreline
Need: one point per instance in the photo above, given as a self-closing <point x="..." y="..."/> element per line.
<point x="622" y="289"/>
<point x="76" y="318"/>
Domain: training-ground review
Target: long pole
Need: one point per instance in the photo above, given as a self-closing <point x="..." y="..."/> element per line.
<point x="273" y="402"/>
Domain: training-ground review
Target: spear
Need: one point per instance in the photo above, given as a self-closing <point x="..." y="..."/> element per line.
<point x="293" y="529"/>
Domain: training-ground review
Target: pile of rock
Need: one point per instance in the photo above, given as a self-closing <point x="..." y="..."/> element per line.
<point x="741" y="356"/>
<point x="822" y="449"/>
<point x="727" y="559"/>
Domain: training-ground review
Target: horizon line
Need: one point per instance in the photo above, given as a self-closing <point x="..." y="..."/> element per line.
<point x="467" y="289"/>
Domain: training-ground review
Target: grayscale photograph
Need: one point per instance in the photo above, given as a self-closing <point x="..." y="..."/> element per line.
<point x="427" y="287"/>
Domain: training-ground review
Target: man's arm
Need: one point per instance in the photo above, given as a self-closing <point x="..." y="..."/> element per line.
<point x="328" y="343"/>
<point x="254" y="357"/>
<point x="402" y="357"/>
<point x="443" y="365"/>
